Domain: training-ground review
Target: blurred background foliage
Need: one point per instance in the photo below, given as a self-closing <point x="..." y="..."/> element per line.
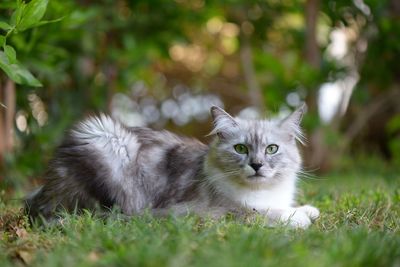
<point x="162" y="64"/>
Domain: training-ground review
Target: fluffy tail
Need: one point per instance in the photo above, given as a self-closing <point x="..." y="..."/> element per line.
<point x="57" y="194"/>
<point x="91" y="165"/>
<point x="31" y="208"/>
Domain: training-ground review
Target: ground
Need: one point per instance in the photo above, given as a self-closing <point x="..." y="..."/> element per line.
<point x="359" y="226"/>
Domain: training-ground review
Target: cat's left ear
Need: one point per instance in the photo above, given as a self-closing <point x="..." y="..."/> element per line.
<point x="292" y="123"/>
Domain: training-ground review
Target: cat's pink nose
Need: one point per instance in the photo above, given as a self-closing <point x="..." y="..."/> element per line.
<point x="256" y="166"/>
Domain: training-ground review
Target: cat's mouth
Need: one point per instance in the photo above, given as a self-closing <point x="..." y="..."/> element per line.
<point x="256" y="177"/>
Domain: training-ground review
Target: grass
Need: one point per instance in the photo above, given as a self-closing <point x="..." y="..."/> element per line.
<point x="359" y="226"/>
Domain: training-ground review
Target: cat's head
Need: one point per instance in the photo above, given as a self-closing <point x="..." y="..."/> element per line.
<point x="255" y="152"/>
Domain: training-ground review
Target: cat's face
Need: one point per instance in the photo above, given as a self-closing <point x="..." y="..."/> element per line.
<point x="256" y="152"/>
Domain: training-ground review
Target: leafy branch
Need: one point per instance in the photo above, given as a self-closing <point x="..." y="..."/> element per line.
<point x="26" y="16"/>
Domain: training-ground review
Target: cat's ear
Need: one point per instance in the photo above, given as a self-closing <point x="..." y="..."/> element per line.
<point x="223" y="122"/>
<point x="292" y="123"/>
<point x="296" y="117"/>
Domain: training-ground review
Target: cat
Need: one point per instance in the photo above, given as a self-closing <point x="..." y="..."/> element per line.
<point x="251" y="167"/>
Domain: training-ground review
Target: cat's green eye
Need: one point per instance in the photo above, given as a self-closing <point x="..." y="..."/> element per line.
<point x="271" y="149"/>
<point x="241" y="149"/>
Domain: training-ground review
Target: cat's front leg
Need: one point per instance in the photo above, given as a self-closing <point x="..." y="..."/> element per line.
<point x="296" y="217"/>
<point x="312" y="212"/>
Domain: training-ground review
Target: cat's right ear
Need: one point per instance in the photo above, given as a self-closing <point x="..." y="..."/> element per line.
<point x="223" y="122"/>
<point x="292" y="123"/>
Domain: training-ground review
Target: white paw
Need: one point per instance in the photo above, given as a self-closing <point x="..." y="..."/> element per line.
<point x="296" y="218"/>
<point x="312" y="212"/>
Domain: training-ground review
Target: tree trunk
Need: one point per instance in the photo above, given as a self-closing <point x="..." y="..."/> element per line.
<point x="7" y="112"/>
<point x="246" y="56"/>
<point x="312" y="52"/>
<point x="317" y="153"/>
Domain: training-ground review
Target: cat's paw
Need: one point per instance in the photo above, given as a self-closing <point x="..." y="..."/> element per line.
<point x="312" y="212"/>
<point x="296" y="218"/>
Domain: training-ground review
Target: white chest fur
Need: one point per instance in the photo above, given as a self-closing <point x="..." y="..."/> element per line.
<point x="264" y="199"/>
<point x="280" y="196"/>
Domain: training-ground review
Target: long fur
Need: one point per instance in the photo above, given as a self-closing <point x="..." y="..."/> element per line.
<point x="102" y="163"/>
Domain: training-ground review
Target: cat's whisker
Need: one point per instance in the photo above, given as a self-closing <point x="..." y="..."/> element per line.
<point x="209" y="182"/>
<point x="222" y="176"/>
<point x="303" y="174"/>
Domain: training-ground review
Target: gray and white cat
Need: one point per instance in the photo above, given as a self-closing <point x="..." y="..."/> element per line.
<point x="250" y="167"/>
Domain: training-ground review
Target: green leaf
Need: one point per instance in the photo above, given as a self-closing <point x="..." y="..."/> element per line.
<point x="17" y="72"/>
<point x="32" y="14"/>
<point x="11" y="54"/>
<point x="2" y="40"/>
<point x="5" y="26"/>
<point x="17" y="15"/>
<point x="27" y="77"/>
<point x="44" y="22"/>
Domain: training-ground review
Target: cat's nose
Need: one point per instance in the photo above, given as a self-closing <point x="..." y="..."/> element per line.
<point x="256" y="166"/>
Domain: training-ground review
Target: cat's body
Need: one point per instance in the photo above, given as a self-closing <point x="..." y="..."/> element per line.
<point x="101" y="162"/>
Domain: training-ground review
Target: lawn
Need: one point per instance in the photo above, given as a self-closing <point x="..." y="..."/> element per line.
<point x="359" y="226"/>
